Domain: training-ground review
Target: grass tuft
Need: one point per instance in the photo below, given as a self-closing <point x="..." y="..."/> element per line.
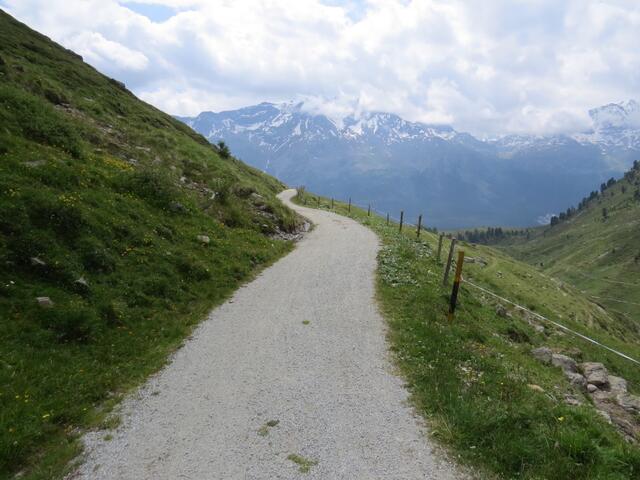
<point x="304" y="464"/>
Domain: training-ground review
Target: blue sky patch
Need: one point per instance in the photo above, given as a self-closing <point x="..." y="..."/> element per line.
<point x="153" y="11"/>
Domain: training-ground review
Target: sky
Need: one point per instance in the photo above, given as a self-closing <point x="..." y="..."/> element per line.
<point x="488" y="67"/>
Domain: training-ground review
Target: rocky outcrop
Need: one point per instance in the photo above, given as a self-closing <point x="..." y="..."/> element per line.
<point x="608" y="393"/>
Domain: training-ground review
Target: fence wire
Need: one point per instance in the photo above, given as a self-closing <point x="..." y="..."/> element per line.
<point x="559" y="325"/>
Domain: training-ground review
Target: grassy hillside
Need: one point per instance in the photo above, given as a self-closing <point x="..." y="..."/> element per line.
<point x="475" y="380"/>
<point x="596" y="248"/>
<point x="130" y="223"/>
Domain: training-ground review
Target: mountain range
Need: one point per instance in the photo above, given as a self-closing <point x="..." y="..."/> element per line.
<point x="453" y="178"/>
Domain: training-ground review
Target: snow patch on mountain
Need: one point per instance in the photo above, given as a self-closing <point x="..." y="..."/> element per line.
<point x="615" y="128"/>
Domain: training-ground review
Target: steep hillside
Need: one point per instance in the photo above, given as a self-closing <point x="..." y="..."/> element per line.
<point x="595" y="247"/>
<point x="452" y="178"/>
<point x="120" y="228"/>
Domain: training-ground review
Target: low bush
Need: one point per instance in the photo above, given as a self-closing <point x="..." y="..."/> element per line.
<point x="154" y="187"/>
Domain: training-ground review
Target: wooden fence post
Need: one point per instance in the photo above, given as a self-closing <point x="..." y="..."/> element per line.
<point x="369" y="211"/>
<point x="349" y="204"/>
<point x="449" y="259"/>
<point x="419" y="226"/>
<point x="456" y="285"/>
<point x="331" y="203"/>
<point x="401" y="219"/>
<point x="440" y="246"/>
<point x="387" y="219"/>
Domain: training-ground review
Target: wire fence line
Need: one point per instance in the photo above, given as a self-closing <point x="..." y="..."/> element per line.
<point x="615" y="300"/>
<point x="559" y="325"/>
<point x="609" y="281"/>
<point x="521" y="307"/>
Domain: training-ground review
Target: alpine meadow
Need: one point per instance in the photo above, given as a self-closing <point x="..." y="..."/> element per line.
<point x="325" y="239"/>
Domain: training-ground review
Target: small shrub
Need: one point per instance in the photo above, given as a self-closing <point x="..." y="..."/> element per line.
<point x="223" y="149"/>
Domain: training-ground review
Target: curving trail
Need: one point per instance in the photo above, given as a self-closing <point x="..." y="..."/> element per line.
<point x="329" y="383"/>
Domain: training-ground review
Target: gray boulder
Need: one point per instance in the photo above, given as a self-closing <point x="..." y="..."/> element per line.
<point x="572" y="400"/>
<point x="204" y="239"/>
<point x="542" y="354"/>
<point x="631" y="403"/>
<point x="567" y="364"/>
<point x="36" y="262"/>
<point x="596" y="374"/>
<point x="617" y="384"/>
<point x="44" y="302"/>
<point x="576" y="379"/>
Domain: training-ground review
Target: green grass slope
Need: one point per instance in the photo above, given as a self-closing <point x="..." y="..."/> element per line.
<point x="474" y="379"/>
<point x="597" y="248"/>
<point x="102" y="200"/>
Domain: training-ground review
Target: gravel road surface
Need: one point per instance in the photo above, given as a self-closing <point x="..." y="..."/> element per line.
<point x="295" y="363"/>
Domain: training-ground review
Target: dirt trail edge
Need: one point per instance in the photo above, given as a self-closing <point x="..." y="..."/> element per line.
<point x="290" y="378"/>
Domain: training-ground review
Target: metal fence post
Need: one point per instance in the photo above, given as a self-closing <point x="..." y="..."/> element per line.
<point x="401" y="219"/>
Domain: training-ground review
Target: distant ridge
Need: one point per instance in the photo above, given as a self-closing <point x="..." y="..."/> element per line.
<point x="397" y="164"/>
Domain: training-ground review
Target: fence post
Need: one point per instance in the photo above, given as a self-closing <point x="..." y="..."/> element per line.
<point x="349" y="204"/>
<point x="401" y="219"/>
<point x="440" y="246"/>
<point x="369" y="211"/>
<point x="419" y="226"/>
<point x="456" y="285"/>
<point x="449" y="259"/>
<point x="331" y="203"/>
<point x="387" y="219"/>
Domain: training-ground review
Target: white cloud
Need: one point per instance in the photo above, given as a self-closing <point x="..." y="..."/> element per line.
<point x="106" y="54"/>
<point x="499" y="67"/>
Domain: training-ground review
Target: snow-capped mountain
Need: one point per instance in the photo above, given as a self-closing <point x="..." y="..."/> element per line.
<point x="623" y="115"/>
<point x="453" y="177"/>
<point x="290" y="122"/>
<point x="616" y="128"/>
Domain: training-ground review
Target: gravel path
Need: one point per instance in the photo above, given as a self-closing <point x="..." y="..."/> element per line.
<point x="328" y="384"/>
